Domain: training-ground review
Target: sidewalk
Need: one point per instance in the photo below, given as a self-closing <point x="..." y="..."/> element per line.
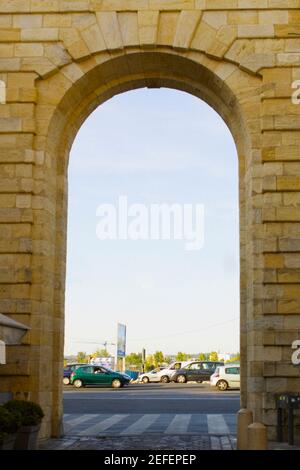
<point x="283" y="446"/>
<point x="145" y="442"/>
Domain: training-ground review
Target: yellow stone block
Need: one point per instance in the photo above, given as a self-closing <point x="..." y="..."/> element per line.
<point x="93" y="38"/>
<point x="185" y="29"/>
<point x="148" y="26"/>
<point x="167" y="28"/>
<point x="128" y="22"/>
<point x="29" y="50"/>
<point x="110" y="28"/>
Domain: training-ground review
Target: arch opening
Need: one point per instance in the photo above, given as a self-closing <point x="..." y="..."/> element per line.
<point x="109" y="78"/>
<point x="153" y="147"/>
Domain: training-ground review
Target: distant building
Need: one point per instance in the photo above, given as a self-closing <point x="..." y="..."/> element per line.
<point x="108" y="362"/>
<point x="225" y="356"/>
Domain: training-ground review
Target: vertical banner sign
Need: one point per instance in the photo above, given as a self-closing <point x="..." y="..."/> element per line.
<point x="121" y="347"/>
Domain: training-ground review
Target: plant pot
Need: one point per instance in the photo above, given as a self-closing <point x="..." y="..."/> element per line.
<point x="27" y="437"/>
<point x="8" y="442"/>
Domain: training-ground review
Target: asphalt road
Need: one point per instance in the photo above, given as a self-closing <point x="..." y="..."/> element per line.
<point x="152" y="398"/>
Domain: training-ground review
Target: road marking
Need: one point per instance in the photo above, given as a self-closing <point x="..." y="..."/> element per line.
<point x="137" y="424"/>
<point x="140" y="425"/>
<point x="154" y="398"/>
<point x="215" y="443"/>
<point x="217" y="425"/>
<point x="179" y="424"/>
<point x="103" y="425"/>
<point x="225" y="443"/>
<point x="79" y="420"/>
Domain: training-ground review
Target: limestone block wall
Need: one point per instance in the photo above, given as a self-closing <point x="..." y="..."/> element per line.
<point x="59" y="60"/>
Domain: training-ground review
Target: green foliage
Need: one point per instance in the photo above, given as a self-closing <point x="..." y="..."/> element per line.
<point x="235" y="358"/>
<point x="213" y="356"/>
<point x="181" y="356"/>
<point x="134" y="359"/>
<point x="10" y="421"/>
<point x="203" y="357"/>
<point x="158" y="358"/>
<point x="168" y="360"/>
<point x="31" y="413"/>
<point x="82" y="357"/>
<point x="101" y="353"/>
<point x="149" y="364"/>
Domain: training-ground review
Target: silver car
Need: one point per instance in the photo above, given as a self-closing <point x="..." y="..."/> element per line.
<point x="227" y="376"/>
<point x="162" y="374"/>
<point x="152" y="376"/>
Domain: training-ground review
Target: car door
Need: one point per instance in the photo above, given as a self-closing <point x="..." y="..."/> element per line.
<point x="193" y="372"/>
<point x="205" y="371"/>
<point x="153" y="375"/>
<point x="85" y="374"/>
<point x="233" y="376"/>
<point x="101" y="376"/>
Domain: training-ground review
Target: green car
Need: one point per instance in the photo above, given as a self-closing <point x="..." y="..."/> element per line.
<point x="98" y="375"/>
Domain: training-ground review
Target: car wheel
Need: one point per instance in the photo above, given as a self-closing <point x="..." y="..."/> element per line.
<point x="181" y="379"/>
<point x="116" y="383"/>
<point x="145" y="380"/>
<point x="165" y="379"/>
<point x="222" y="385"/>
<point x="66" y="380"/>
<point x="77" y="383"/>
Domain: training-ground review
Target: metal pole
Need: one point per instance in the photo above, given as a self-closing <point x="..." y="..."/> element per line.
<point x="279" y="425"/>
<point x="291" y="425"/>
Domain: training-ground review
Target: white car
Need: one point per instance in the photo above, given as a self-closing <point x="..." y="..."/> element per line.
<point x="152" y="376"/>
<point x="162" y="374"/>
<point x="227" y="376"/>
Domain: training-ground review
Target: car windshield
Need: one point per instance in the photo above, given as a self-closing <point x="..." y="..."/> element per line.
<point x="107" y="369"/>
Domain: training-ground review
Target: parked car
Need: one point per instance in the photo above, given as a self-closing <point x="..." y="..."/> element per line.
<point x="151" y="376"/>
<point x="196" y="371"/>
<point x="68" y="369"/>
<point x="98" y="375"/>
<point x="165" y="374"/>
<point x="161" y="374"/>
<point x="227" y="376"/>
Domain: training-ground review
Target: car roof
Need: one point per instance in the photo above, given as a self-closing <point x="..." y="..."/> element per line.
<point x="212" y="362"/>
<point x="232" y="364"/>
<point x="77" y="364"/>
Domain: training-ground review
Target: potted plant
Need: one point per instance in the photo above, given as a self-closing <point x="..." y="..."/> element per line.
<point x="10" y="423"/>
<point x="31" y="417"/>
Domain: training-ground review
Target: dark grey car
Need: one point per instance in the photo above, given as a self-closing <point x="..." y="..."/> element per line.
<point x="197" y="371"/>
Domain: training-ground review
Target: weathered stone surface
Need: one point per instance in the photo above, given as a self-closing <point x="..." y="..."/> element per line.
<point x="59" y="59"/>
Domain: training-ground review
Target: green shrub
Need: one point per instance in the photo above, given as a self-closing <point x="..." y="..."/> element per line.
<point x="3" y="435"/>
<point x="10" y="421"/>
<point x="31" y="413"/>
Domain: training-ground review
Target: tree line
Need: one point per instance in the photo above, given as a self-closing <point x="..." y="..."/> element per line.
<point x="157" y="359"/>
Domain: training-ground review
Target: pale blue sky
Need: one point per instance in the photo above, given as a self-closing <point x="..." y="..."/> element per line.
<point x="155" y="146"/>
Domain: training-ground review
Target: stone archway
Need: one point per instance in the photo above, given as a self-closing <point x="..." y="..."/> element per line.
<point x="67" y="61"/>
<point x="162" y="70"/>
